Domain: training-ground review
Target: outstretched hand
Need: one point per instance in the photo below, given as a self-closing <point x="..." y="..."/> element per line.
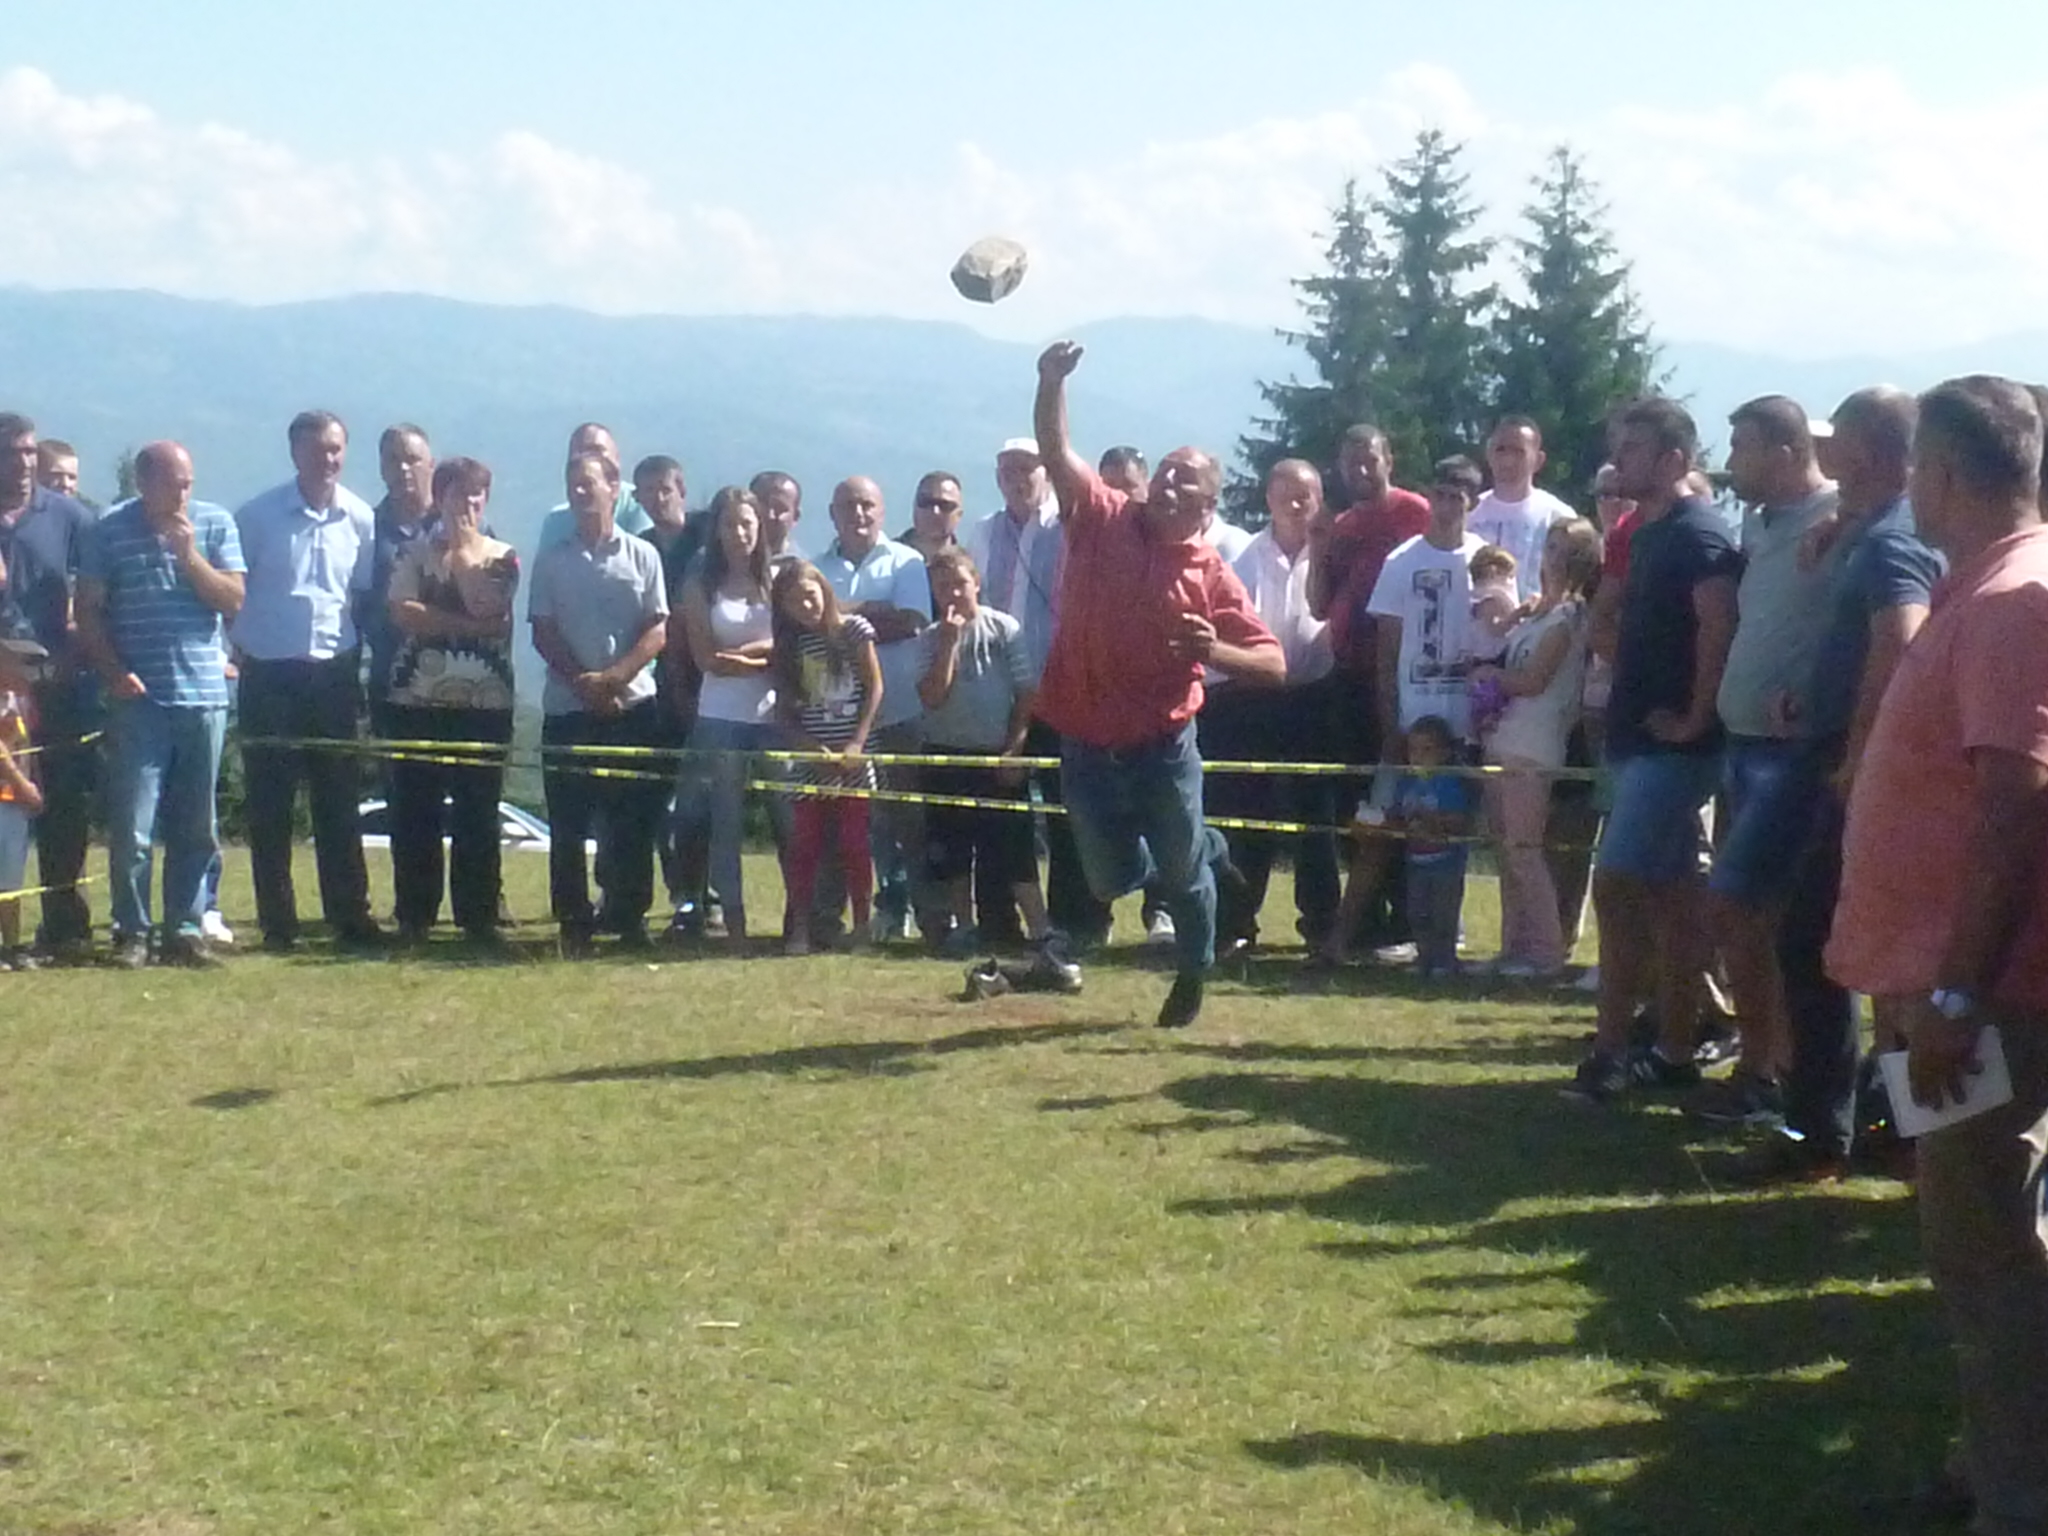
<point x="1059" y="360"/>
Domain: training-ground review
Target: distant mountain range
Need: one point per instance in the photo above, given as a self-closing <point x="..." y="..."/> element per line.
<point x="822" y="398"/>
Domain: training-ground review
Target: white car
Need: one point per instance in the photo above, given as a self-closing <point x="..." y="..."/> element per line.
<point x="518" y="831"/>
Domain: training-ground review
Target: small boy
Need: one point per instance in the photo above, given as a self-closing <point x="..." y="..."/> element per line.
<point x="1431" y="811"/>
<point x="20" y="803"/>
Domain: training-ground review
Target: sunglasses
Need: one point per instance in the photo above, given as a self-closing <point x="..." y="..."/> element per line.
<point x="937" y="503"/>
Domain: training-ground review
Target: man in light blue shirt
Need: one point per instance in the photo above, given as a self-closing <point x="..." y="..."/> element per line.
<point x="309" y="545"/>
<point x="886" y="584"/>
<point x="628" y="516"/>
<point x="599" y="610"/>
<point x="158" y="573"/>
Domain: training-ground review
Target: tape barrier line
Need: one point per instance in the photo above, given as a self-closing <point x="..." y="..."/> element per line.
<point x="50" y="746"/>
<point x="1228" y="823"/>
<point x="376" y="747"/>
<point x="50" y="890"/>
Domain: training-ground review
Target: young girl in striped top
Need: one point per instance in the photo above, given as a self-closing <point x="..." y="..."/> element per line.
<point x="828" y="686"/>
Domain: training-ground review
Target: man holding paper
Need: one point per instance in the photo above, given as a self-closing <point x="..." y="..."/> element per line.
<point x="1942" y="920"/>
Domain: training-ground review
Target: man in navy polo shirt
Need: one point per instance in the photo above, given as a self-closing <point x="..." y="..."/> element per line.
<point x="42" y="536"/>
<point x="1677" y="620"/>
<point x="159" y="574"/>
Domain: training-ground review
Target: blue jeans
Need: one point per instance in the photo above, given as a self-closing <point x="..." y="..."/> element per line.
<point x="1137" y="817"/>
<point x="163" y="765"/>
<point x="711" y="794"/>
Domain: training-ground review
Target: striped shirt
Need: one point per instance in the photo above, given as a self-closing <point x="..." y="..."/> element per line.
<point x="160" y="629"/>
<point x="829" y="702"/>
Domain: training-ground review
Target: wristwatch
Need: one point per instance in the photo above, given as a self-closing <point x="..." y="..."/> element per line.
<point x="1953" y="1003"/>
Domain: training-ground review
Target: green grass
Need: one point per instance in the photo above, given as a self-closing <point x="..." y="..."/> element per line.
<point x="808" y="1247"/>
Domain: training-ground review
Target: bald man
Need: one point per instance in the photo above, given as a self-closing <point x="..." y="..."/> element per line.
<point x="159" y="575"/>
<point x="886" y="583"/>
<point x="1145" y="605"/>
<point x="628" y="516"/>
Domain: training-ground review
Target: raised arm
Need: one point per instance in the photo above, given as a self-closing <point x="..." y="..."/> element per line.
<point x="1067" y="470"/>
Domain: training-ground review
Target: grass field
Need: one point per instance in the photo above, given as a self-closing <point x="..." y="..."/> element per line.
<point x="781" y="1246"/>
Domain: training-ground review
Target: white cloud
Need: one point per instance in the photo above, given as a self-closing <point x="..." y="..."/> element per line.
<point x="1830" y="212"/>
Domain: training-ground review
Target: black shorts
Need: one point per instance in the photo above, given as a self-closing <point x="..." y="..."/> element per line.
<point x="960" y="840"/>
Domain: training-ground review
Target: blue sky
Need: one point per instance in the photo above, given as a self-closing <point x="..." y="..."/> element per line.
<point x="1800" y="177"/>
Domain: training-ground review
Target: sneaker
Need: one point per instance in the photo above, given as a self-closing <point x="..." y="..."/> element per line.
<point x="189" y="951"/>
<point x="1600" y="1079"/>
<point x="1395" y="954"/>
<point x="1183" y="1004"/>
<point x="215" y="930"/>
<point x="20" y="958"/>
<point x="1785" y="1158"/>
<point x="1718" y="1043"/>
<point x="1648" y="1070"/>
<point x="1159" y="932"/>
<point x="715" y="924"/>
<point x="685" y="923"/>
<point x="1054" y="965"/>
<point x="1741" y="1098"/>
<point x="130" y="951"/>
<point x="985" y="979"/>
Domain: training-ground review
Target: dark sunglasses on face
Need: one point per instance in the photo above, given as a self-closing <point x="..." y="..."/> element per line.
<point x="938" y="503"/>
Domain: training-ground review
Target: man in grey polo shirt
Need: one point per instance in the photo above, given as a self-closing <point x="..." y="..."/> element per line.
<point x="1773" y="777"/>
<point x="599" y="611"/>
<point x="886" y="584"/>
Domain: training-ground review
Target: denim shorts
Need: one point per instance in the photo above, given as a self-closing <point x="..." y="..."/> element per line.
<point x="15" y="836"/>
<point x="1774" y="792"/>
<point x="1652" y="831"/>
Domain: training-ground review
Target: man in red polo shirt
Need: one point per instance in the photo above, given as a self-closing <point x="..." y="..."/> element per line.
<point x="1349" y="548"/>
<point x="1942" y="920"/>
<point x="1145" y="605"/>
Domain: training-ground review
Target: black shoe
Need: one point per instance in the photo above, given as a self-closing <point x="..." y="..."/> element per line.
<point x="577" y="942"/>
<point x="280" y="943"/>
<point x="130" y="951"/>
<point x="686" y="923"/>
<point x="1600" y="1079"/>
<point x="361" y="937"/>
<point x="1184" y="1003"/>
<point x="415" y="935"/>
<point x="188" y="951"/>
<point x="635" y="938"/>
<point x="1648" y="1071"/>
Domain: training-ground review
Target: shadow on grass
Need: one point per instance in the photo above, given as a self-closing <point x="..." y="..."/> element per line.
<point x="850" y="1059"/>
<point x="1783" y="1360"/>
<point x="235" y="1098"/>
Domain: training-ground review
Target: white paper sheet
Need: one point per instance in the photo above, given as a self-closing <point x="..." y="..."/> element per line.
<point x="1986" y="1090"/>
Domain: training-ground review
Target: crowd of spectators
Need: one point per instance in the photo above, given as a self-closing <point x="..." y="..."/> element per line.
<point x="1811" y="715"/>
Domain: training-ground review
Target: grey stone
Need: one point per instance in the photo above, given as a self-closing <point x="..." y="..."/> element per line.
<point x="990" y="269"/>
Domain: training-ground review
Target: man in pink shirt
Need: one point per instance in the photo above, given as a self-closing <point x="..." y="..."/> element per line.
<point x="1942" y="919"/>
<point x="1145" y="605"/>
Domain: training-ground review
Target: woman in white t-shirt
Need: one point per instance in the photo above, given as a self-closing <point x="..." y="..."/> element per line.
<point x="1543" y="677"/>
<point x="731" y="632"/>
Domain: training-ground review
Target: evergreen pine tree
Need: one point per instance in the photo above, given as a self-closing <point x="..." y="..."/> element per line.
<point x="1438" y="380"/>
<point x="1344" y="334"/>
<point x="1577" y="345"/>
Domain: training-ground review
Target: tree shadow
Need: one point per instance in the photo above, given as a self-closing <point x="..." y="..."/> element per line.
<point x="1780" y="1355"/>
<point x="847" y="1060"/>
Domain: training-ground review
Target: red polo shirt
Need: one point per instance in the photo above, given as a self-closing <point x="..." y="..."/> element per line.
<point x="1360" y="542"/>
<point x="1113" y="679"/>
